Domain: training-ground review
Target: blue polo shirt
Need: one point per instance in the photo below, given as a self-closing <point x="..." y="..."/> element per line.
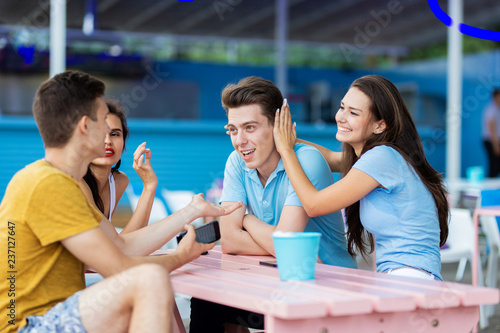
<point x="402" y="216"/>
<point x="267" y="202"/>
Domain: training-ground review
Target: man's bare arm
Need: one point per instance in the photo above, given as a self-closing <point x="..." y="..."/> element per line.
<point x="234" y="239"/>
<point x="95" y="249"/>
<point x="152" y="237"/>
<point x="293" y="218"/>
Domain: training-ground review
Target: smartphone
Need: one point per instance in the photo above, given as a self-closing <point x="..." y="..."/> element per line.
<point x="271" y="263"/>
<point x="207" y="233"/>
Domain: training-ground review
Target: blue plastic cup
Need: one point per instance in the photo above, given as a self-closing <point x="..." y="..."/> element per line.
<point x="296" y="254"/>
<point x="475" y="174"/>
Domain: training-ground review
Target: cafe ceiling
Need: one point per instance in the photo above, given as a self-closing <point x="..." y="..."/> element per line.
<point x="364" y="24"/>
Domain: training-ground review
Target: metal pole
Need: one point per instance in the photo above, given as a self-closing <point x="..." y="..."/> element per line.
<point x="454" y="94"/>
<point x="57" y="36"/>
<point x="281" y="36"/>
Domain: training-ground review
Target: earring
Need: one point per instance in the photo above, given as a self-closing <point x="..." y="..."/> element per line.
<point x="378" y="131"/>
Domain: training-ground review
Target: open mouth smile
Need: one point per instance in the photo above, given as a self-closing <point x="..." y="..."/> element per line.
<point x="109" y="152"/>
<point x="343" y="129"/>
<point x="247" y="153"/>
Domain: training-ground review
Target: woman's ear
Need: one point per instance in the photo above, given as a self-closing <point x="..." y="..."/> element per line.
<point x="380" y="127"/>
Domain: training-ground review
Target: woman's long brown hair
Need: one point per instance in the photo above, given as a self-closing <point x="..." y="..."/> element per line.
<point x="400" y="134"/>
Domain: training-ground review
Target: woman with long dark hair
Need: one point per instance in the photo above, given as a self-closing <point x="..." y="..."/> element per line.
<point x="104" y="184"/>
<point x="395" y="201"/>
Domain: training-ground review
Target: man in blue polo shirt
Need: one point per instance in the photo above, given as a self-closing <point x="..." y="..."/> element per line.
<point x="255" y="175"/>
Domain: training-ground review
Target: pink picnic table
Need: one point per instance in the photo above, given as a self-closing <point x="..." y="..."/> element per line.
<point x="337" y="300"/>
<point x="489" y="211"/>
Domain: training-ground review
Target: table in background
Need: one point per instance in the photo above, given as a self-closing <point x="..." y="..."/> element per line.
<point x="456" y="187"/>
<point x="338" y="300"/>
<point x="489" y="211"/>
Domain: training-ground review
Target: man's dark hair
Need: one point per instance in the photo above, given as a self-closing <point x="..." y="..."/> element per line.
<point x="62" y="101"/>
<point x="253" y="90"/>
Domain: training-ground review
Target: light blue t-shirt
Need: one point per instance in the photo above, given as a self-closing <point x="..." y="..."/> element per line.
<point x="491" y="112"/>
<point x="402" y="216"/>
<point x="266" y="203"/>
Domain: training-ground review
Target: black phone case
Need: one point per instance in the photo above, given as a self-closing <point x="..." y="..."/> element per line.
<point x="271" y="263"/>
<point x="207" y="233"/>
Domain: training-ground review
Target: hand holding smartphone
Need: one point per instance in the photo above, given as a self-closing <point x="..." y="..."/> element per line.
<point x="207" y="233"/>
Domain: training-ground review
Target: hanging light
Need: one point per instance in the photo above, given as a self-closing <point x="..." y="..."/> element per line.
<point x="115" y="50"/>
<point x="89" y="20"/>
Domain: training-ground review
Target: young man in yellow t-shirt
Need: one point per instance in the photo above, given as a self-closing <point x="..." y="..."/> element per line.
<point x="50" y="233"/>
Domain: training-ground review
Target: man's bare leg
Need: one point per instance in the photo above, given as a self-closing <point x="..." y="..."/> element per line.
<point x="139" y="299"/>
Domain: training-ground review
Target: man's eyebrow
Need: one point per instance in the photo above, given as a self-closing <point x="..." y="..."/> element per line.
<point x="250" y="122"/>
<point x="245" y="123"/>
<point x="116" y="129"/>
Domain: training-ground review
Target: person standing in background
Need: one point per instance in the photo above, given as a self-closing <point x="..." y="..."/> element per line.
<point x="491" y="133"/>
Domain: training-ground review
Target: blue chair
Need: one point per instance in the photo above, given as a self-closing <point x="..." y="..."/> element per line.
<point x="159" y="211"/>
<point x="176" y="200"/>
<point x="491" y="198"/>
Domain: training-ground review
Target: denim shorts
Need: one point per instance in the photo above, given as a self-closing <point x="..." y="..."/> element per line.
<point x="63" y="317"/>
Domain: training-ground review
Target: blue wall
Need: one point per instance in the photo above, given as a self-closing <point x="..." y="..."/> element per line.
<point x="21" y="144"/>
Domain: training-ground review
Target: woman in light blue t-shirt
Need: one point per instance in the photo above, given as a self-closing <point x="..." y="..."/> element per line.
<point x="391" y="193"/>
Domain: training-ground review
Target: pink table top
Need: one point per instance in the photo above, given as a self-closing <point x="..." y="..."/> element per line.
<point x="336" y="292"/>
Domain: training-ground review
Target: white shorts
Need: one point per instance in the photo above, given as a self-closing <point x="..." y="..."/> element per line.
<point x="412" y="272"/>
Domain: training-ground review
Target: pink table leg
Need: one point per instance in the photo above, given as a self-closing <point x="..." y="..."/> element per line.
<point x="475" y="257"/>
<point x="178" y="325"/>
<point x="476" y="249"/>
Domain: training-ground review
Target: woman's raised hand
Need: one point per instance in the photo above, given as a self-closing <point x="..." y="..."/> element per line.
<point x="285" y="134"/>
<point x="142" y="165"/>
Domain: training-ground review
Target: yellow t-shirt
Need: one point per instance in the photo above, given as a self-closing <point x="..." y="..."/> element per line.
<point x="41" y="207"/>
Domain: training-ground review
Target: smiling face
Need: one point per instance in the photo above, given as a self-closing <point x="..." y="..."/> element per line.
<point x="113" y="142"/>
<point x="355" y="121"/>
<point x="252" y="137"/>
